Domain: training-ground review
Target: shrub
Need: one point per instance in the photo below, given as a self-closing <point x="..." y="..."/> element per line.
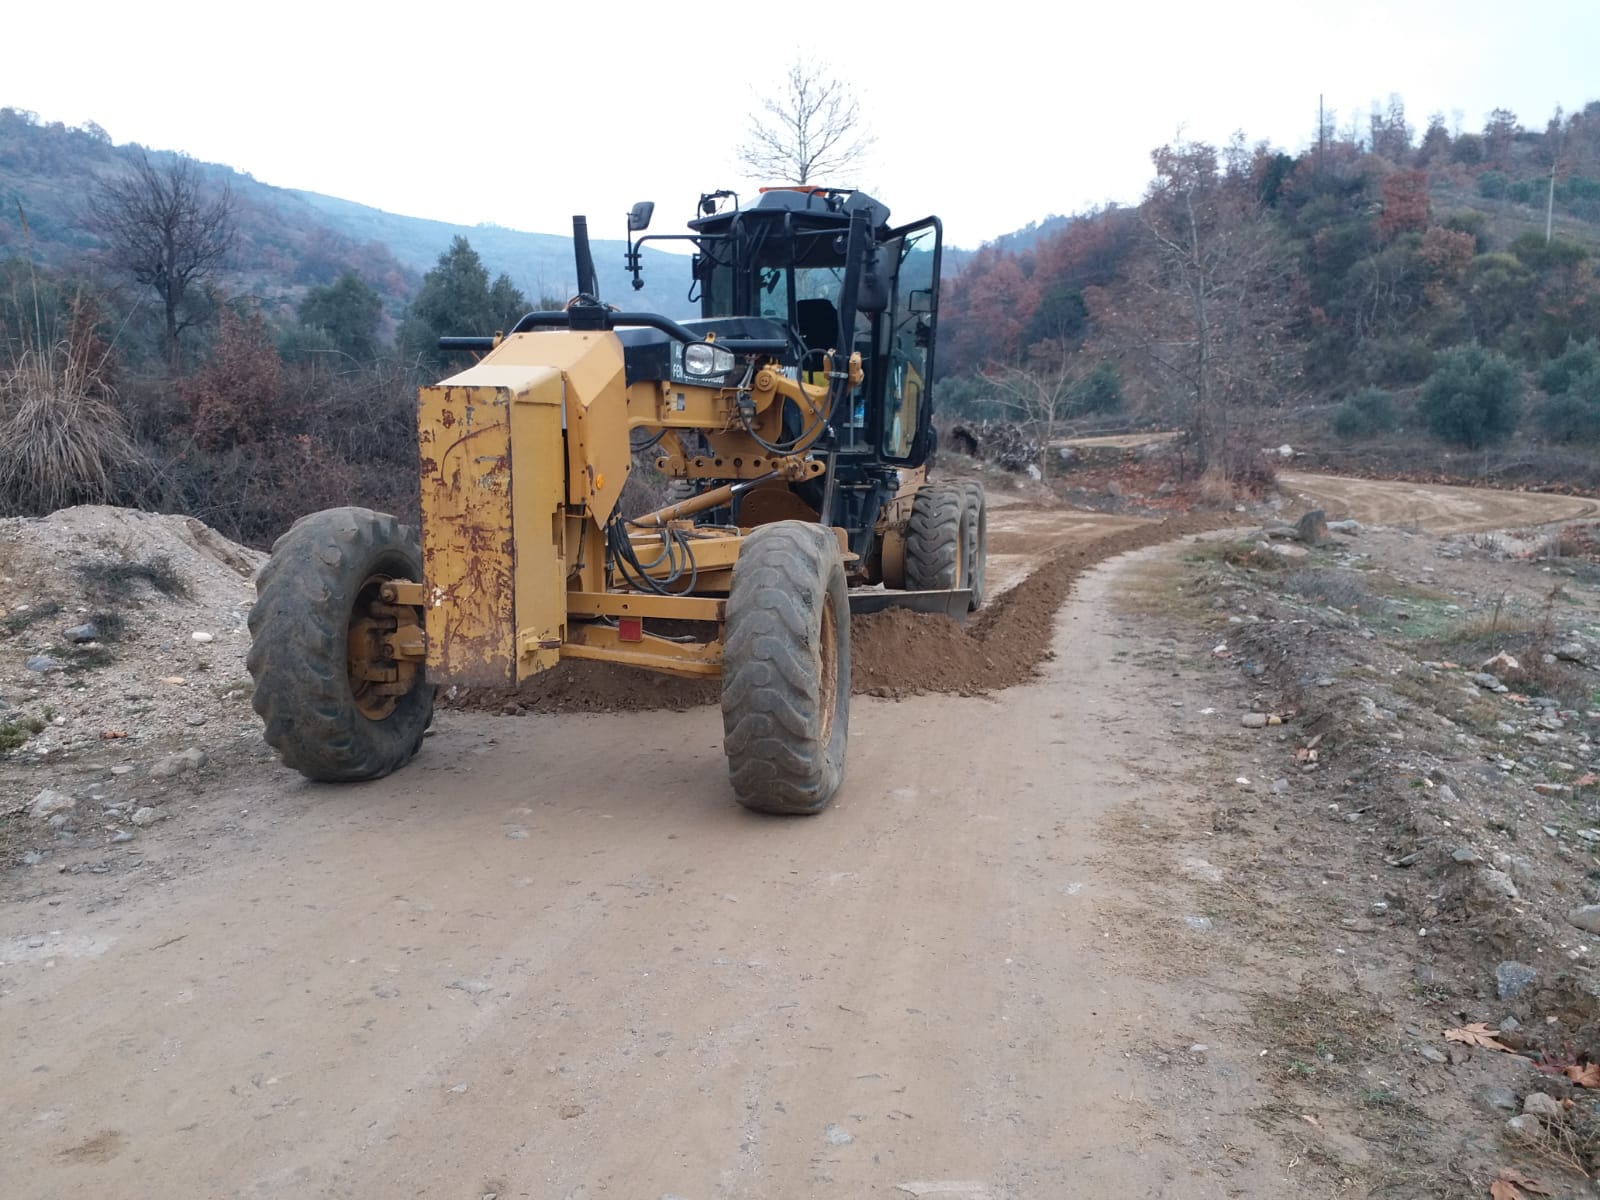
<point x="1571" y="417"/>
<point x="1473" y="398"/>
<point x="1370" y="411"/>
<point x="1578" y="360"/>
<point x="62" y="440"/>
<point x="1098" y="392"/>
<point x="1397" y="360"/>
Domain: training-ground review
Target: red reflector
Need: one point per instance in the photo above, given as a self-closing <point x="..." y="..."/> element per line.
<point x="630" y="629"/>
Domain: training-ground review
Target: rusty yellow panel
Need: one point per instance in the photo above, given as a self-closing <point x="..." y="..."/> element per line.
<point x="539" y="508"/>
<point x="467" y="545"/>
<point x="595" y="405"/>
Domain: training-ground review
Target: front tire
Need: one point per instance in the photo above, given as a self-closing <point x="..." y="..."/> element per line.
<point x="323" y="716"/>
<point x="938" y="539"/>
<point x="786" y="669"/>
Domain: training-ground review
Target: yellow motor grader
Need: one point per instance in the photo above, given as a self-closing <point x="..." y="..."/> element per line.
<point x="793" y="421"/>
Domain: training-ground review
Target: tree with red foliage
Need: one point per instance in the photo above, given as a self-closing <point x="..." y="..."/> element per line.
<point x="234" y="398"/>
<point x="1405" y="203"/>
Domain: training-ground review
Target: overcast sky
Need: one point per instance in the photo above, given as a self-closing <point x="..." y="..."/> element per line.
<point x="990" y="114"/>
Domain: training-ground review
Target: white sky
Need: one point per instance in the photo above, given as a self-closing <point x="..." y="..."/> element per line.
<point x="990" y="114"/>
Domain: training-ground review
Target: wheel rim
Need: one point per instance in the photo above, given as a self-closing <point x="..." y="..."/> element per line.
<point x="828" y="670"/>
<point x="374" y="676"/>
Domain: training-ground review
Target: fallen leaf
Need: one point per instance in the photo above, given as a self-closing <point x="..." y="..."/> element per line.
<point x="174" y="680"/>
<point x="112" y="735"/>
<point x="1310" y="1120"/>
<point x="1584" y="1075"/>
<point x="1512" y="1184"/>
<point x="1586" y="781"/>
<point x="1477" y="1034"/>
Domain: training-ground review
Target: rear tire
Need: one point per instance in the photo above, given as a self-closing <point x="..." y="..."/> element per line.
<point x="978" y="519"/>
<point x="938" y="539"/>
<point x="326" y="566"/>
<point x="786" y="669"/>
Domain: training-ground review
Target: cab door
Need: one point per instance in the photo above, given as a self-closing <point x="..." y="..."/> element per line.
<point x="905" y="433"/>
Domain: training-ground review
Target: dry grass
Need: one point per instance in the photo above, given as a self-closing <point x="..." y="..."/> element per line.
<point x="61" y="439"/>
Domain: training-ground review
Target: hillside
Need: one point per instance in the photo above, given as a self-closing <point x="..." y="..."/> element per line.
<point x="288" y="240"/>
<point x="1398" y="294"/>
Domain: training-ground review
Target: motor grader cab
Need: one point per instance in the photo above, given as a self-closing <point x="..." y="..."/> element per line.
<point x="793" y="419"/>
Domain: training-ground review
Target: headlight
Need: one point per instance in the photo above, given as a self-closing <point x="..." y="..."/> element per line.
<point x="702" y="358"/>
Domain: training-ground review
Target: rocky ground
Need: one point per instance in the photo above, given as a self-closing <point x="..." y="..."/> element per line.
<point x="1414" y="720"/>
<point x="122" y="641"/>
<point x="1312" y="836"/>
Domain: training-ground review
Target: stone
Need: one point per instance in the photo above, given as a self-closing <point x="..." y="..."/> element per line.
<point x="1254" y="720"/>
<point x="145" y="816"/>
<point x="1542" y="1105"/>
<point x="1433" y="1055"/>
<point x="836" y="1136"/>
<point x="1347" y="527"/>
<point x="120" y="836"/>
<point x="1199" y="924"/>
<point x="122" y="769"/>
<point x="174" y="765"/>
<point x="1586" y="917"/>
<point x="1312" y="528"/>
<point x="50" y="802"/>
<point x="43" y="663"/>
<point x="1497" y="1099"/>
<point x="195" y="718"/>
<point x="1280" y="787"/>
<point x="1512" y="978"/>
<point x="1526" y="1129"/>
<point x="1288" y="550"/>
<point x="201" y="636"/>
<point x="1498" y="883"/>
<point x="1488" y="682"/>
<point x="1573" y="652"/>
<point x="1500" y="662"/>
<point x="1465" y="854"/>
<point x="82" y="633"/>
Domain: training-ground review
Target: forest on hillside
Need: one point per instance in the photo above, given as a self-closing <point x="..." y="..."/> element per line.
<point x="1392" y="291"/>
<point x="172" y="340"/>
<point x="1442" y="284"/>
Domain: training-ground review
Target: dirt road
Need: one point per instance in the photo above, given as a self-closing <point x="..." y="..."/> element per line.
<point x="1437" y="508"/>
<point x="552" y="958"/>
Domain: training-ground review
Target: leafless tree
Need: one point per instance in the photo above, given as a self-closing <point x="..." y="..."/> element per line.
<point x="1040" y="395"/>
<point x="1211" y="306"/>
<point x="811" y="128"/>
<point x="169" y="230"/>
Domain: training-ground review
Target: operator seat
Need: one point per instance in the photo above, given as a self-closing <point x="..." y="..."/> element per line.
<point x="819" y="324"/>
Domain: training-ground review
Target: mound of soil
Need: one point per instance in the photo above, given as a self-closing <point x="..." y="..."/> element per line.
<point x="120" y="629"/>
<point x="894" y="653"/>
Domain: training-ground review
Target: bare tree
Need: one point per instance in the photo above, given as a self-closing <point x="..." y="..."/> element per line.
<point x="1041" y="396"/>
<point x="1210" y="309"/>
<point x="167" y="229"/>
<point x="811" y="128"/>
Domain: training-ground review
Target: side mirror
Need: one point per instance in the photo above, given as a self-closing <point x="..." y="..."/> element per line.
<point x="872" y="294"/>
<point x="639" y="216"/>
<point x="920" y="301"/>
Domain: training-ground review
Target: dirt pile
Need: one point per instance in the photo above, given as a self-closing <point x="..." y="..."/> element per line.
<point x="120" y="630"/>
<point x="895" y="653"/>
